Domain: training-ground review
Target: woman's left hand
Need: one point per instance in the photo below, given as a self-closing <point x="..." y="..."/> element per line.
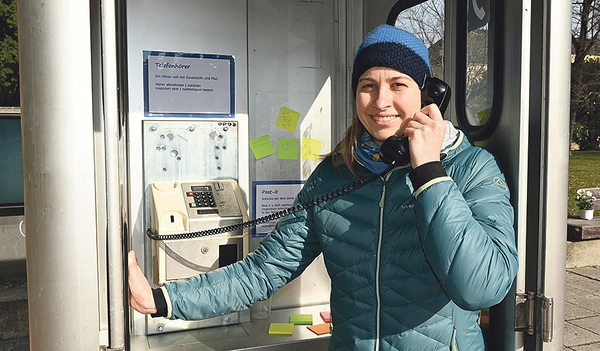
<point x="425" y="132"/>
<point x="140" y="292"/>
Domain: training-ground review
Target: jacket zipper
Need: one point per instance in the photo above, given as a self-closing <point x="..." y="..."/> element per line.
<point x="381" y="202"/>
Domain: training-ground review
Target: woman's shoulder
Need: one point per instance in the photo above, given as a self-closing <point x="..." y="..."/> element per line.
<point x="467" y="152"/>
<point x="473" y="164"/>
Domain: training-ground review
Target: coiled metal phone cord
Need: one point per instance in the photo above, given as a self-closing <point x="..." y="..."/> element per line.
<point x="355" y="185"/>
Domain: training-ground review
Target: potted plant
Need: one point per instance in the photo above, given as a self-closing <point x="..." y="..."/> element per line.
<point x="585" y="202"/>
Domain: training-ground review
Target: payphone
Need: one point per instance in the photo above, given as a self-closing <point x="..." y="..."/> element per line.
<point x="187" y="207"/>
<point x="191" y="184"/>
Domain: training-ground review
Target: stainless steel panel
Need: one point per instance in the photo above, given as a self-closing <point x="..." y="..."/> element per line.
<point x="190" y="150"/>
<point x="249" y="335"/>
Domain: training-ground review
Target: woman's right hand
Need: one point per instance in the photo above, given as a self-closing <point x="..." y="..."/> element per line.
<point x="140" y="292"/>
<point x="425" y="132"/>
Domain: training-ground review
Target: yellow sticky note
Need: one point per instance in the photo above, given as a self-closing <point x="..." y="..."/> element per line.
<point x="311" y="149"/>
<point x="288" y="119"/>
<point x="287" y="149"/>
<point x="281" y="329"/>
<point x="262" y="147"/>
<point x="484" y="115"/>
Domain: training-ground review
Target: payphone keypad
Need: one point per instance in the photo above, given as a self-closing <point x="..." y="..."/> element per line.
<point x="203" y="196"/>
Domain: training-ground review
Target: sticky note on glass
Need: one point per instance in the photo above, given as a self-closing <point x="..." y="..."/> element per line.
<point x="281" y="329"/>
<point x="262" y="147"/>
<point x="484" y="115"/>
<point x="311" y="149"/>
<point x="326" y="316"/>
<point x="288" y="119"/>
<point x="287" y="149"/>
<point x="320" y="329"/>
<point x="301" y="318"/>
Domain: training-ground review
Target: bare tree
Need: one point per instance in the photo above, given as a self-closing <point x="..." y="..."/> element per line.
<point x="585" y="34"/>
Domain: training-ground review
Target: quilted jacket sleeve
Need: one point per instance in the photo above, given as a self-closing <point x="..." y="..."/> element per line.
<point x="281" y="257"/>
<point x="466" y="229"/>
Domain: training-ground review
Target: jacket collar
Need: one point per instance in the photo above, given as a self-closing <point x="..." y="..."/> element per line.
<point x="460" y="143"/>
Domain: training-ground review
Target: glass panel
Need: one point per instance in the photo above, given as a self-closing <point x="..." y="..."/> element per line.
<point x="11" y="163"/>
<point x="426" y="21"/>
<point x="479" y="75"/>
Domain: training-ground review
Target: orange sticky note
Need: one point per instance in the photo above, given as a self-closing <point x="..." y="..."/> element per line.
<point x="320" y="329"/>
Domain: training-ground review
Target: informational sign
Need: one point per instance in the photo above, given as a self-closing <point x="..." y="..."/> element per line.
<point x="185" y="84"/>
<point x="270" y="197"/>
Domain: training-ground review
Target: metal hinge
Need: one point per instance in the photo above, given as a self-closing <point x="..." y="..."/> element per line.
<point x="534" y="314"/>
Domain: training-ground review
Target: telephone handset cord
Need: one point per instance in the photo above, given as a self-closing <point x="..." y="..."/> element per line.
<point x="355" y="185"/>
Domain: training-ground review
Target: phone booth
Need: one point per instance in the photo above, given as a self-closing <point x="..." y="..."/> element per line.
<point x="232" y="100"/>
<point x="184" y="117"/>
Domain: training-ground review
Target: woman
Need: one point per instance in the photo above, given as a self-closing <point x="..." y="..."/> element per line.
<point x="412" y="256"/>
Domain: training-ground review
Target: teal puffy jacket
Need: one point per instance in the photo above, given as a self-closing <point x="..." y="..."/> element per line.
<point x="409" y="268"/>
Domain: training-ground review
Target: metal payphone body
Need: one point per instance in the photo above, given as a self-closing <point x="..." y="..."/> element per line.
<point x="190" y="207"/>
<point x="176" y="154"/>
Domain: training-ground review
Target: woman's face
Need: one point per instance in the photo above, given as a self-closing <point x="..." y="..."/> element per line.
<point x="386" y="100"/>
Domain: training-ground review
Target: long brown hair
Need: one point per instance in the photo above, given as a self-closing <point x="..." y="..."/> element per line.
<point x="347" y="146"/>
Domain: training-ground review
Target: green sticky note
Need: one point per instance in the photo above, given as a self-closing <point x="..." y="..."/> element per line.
<point x="311" y="149"/>
<point x="287" y="149"/>
<point x="288" y="119"/>
<point x="262" y="147"/>
<point x="301" y="319"/>
<point x="281" y="329"/>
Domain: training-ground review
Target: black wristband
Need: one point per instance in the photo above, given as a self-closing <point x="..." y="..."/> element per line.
<point x="426" y="172"/>
<point x="160" y="302"/>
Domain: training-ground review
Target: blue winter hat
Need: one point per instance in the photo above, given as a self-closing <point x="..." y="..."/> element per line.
<point x="388" y="46"/>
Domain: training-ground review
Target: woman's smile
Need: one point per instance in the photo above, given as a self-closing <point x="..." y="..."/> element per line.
<point x="383" y="119"/>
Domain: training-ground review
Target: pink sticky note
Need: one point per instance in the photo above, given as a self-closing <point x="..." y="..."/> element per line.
<point x="326" y="316"/>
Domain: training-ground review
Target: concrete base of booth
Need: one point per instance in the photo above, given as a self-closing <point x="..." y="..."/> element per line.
<point x="583" y="242"/>
<point x="583" y="253"/>
<point x="253" y="335"/>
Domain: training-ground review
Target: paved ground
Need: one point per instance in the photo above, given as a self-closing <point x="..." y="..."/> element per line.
<point x="582" y="313"/>
<point x="582" y="309"/>
<point x="21" y="344"/>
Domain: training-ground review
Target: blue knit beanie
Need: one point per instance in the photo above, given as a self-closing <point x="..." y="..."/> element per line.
<point x="388" y="46"/>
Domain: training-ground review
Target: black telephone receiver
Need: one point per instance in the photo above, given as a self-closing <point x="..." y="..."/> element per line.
<point x="394" y="151"/>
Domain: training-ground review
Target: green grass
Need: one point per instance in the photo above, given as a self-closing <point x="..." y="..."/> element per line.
<point x="6" y="283"/>
<point x="584" y="172"/>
